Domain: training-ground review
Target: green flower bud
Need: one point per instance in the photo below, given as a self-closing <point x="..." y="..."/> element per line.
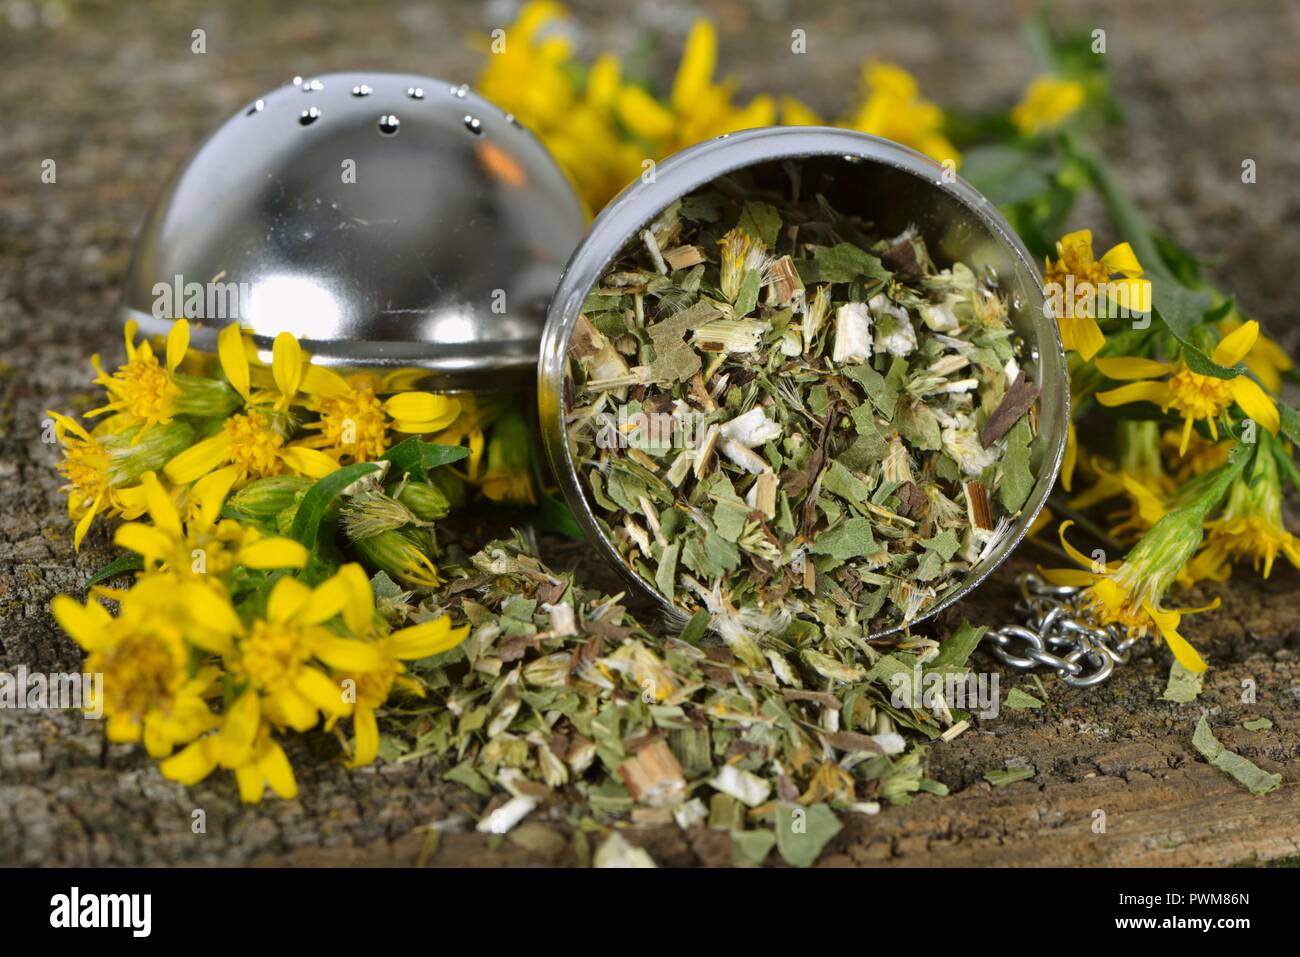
<point x="205" y="398"/>
<point x="131" y="453"/>
<point x="401" y="557"/>
<point x="266" y="498"/>
<point x="427" y="502"/>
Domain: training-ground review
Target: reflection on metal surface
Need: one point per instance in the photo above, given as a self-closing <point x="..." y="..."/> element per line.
<point x="368" y="215"/>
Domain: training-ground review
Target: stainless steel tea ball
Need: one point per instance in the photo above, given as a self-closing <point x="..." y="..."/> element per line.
<point x="386" y="220"/>
<point x="884" y="182"/>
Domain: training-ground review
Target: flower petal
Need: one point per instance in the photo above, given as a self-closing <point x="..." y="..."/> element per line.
<point x="288" y="597"/>
<point x="1157" y="392"/>
<point x="234" y="360"/>
<point x="152" y="544"/>
<point x="193" y="764"/>
<point x="1131" y="367"/>
<point x="313" y="685"/>
<point x="1081" y="334"/>
<point x="309" y="462"/>
<point x="162" y="509"/>
<point x="273" y="553"/>
<point x="1167" y="622"/>
<point x="277" y="770"/>
<point x="1121" y="259"/>
<point x="425" y="639"/>
<point x="695" y="72"/>
<point x="209" y="494"/>
<point x="287" y="364"/>
<point x="198" y="460"/>
<point x="1234" y="346"/>
<point x="1254" y="401"/>
<point x="239" y="730"/>
<point x="366" y="729"/>
<point x="178" y="343"/>
<point x="84" y="624"/>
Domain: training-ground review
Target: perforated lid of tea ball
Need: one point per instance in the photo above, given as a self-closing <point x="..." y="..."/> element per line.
<point x="386" y="220"/>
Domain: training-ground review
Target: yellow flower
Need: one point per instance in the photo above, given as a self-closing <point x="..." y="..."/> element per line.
<point x="279" y="662"/>
<point x="354" y="422"/>
<point x="1128" y="593"/>
<point x="1192" y="395"/>
<point x="1250" y="525"/>
<point x="1048" y="102"/>
<point x="142" y="391"/>
<point x="508" y="477"/>
<point x="144" y="654"/>
<point x="1139" y="475"/>
<point x="796" y="113"/>
<point x="1076" y="271"/>
<point x="100" y="468"/>
<point x="372" y="688"/>
<point x="263" y="763"/>
<point x="893" y="107"/>
<point x="203" y="544"/>
<point x="252" y="444"/>
<point x="1266" y="359"/>
<point x="1200" y="456"/>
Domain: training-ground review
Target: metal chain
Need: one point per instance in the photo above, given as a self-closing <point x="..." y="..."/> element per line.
<point x="1061" y="634"/>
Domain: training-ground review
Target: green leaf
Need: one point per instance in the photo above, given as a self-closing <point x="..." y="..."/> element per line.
<point x="850" y="539"/>
<point x="306" y="523"/>
<point x="418" y="456"/>
<point x="761" y="221"/>
<point x="130" y="562"/>
<point x="801" y="833"/>
<point x="1246" y="772"/>
<point x="1017" y="480"/>
<point x="553" y="515"/>
<point x="1183" y="685"/>
<point x="1182" y="310"/>
<point x="845" y="262"/>
<point x="1004" y="174"/>
<point x="752" y="847"/>
<point x="1018" y="700"/>
<point x="954" y="652"/>
<point x="1001" y="778"/>
<point x="1290" y="428"/>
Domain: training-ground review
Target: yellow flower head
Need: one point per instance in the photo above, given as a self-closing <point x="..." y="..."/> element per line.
<point x="354" y="423"/>
<point x="1139" y="476"/>
<point x="892" y="107"/>
<point x="102" y="467"/>
<point x="1048" y="102"/>
<point x="1250" y="525"/>
<point x="150" y="691"/>
<point x="253" y="443"/>
<point x="142" y="391"/>
<point x="1079" y="278"/>
<point x="1128" y="593"/>
<point x="1192" y="395"/>
<point x="204" y="544"/>
<point x="406" y="644"/>
<point x="508" y="477"/>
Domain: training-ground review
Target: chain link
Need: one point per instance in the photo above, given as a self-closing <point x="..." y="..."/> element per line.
<point x="1059" y="633"/>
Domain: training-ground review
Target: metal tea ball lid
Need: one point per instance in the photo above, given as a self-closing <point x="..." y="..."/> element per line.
<point x="386" y="220"/>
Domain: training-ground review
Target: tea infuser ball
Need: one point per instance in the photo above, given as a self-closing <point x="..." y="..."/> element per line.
<point x="889" y="185"/>
<point x="386" y="220"/>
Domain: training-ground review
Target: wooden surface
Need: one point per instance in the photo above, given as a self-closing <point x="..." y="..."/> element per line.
<point x="116" y="97"/>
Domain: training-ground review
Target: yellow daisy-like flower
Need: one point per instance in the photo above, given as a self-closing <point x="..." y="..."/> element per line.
<point x="1192" y="395"/>
<point x="251" y="443"/>
<point x="1139" y="476"/>
<point x="204" y="544"/>
<point x="150" y="691"/>
<point x="1249" y="527"/>
<point x="1048" y="102"/>
<point x="1129" y="592"/>
<point x="372" y="688"/>
<point x="280" y="657"/>
<point x="354" y="423"/>
<point x="1200" y="456"/>
<point x="508" y="478"/>
<point x="1118" y="272"/>
<point x="261" y="764"/>
<point x="142" y="391"/>
<point x="893" y="107"/>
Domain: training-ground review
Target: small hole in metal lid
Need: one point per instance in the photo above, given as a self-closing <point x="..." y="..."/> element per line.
<point x="362" y="89"/>
<point x="309" y="116"/>
<point x="474" y="125"/>
<point x="388" y="124"/>
<point x="415" y="92"/>
<point x="461" y="91"/>
<point x="312" y="86"/>
<point x="257" y="107"/>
